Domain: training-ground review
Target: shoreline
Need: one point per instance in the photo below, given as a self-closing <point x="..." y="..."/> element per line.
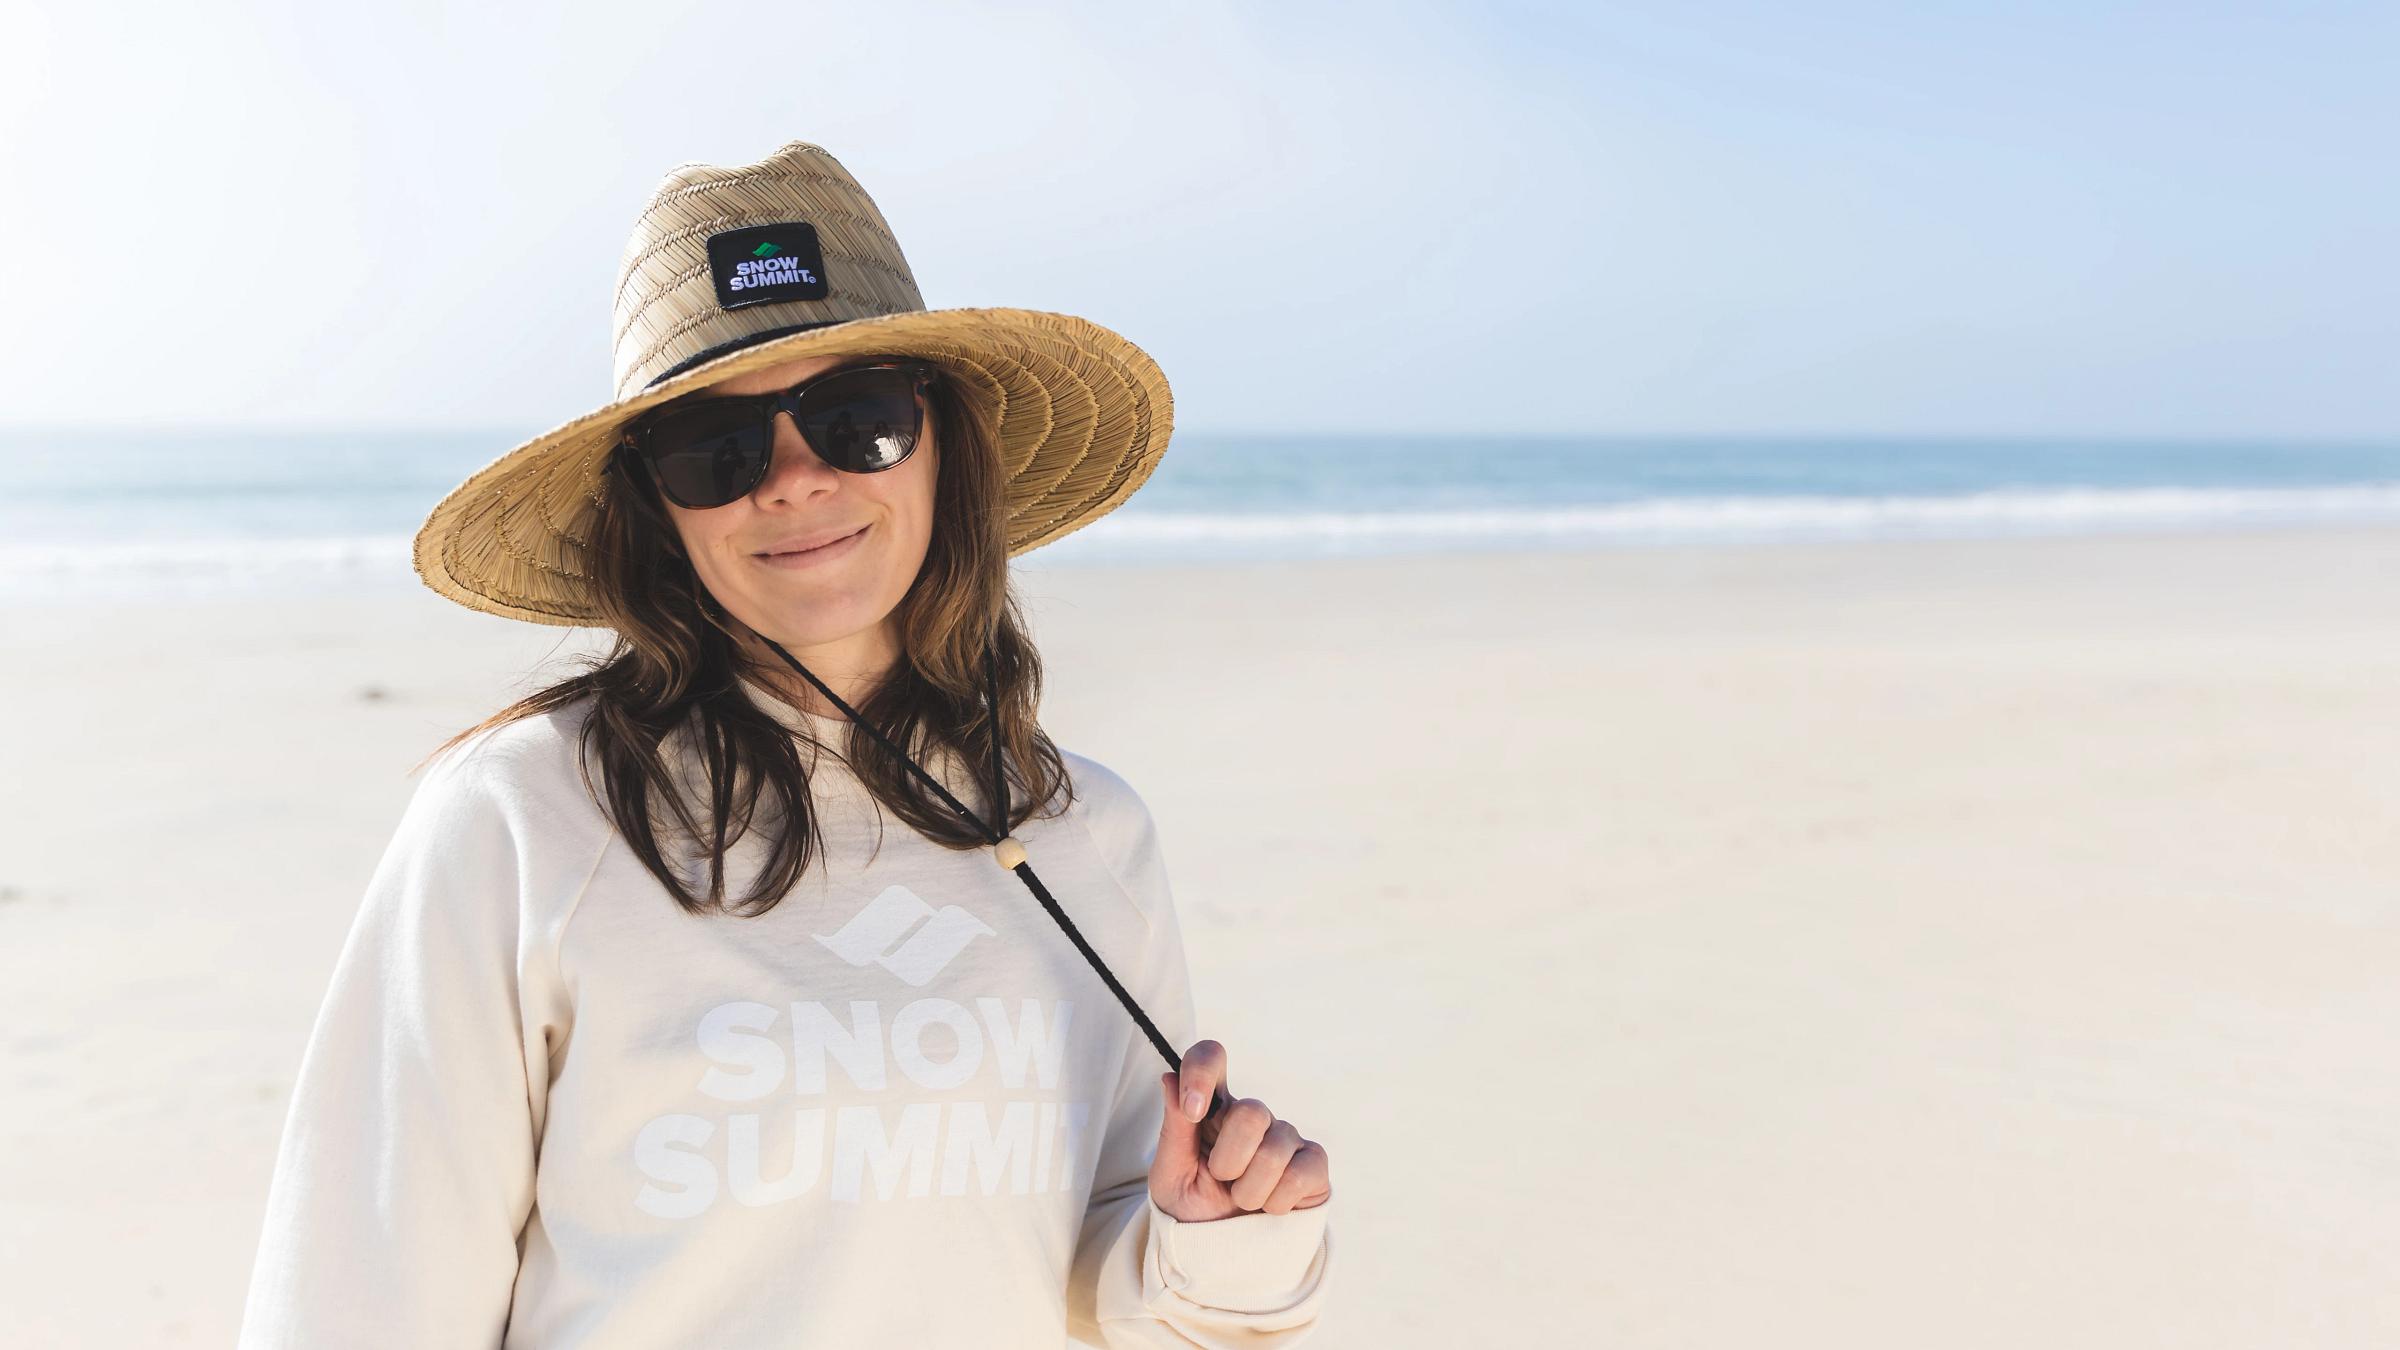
<point x="45" y="575"/>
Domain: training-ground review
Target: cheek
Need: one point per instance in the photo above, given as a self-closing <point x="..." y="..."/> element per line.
<point x="704" y="545"/>
<point x="917" y="498"/>
<point x="926" y="493"/>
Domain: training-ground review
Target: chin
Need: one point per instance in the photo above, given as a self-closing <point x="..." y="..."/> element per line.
<point x="794" y="619"/>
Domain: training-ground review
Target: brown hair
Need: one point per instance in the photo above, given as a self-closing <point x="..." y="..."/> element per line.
<point x="675" y="663"/>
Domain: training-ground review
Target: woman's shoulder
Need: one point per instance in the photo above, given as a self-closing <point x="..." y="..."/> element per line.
<point x="503" y="801"/>
<point x="533" y="761"/>
<point x="1108" y="805"/>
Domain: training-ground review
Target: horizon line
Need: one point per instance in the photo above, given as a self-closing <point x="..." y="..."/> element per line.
<point x="505" y="439"/>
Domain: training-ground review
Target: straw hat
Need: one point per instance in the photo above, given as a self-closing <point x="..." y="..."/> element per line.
<point x="732" y="269"/>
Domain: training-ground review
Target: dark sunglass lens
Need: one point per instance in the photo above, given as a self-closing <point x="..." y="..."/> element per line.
<point x="862" y="421"/>
<point x="707" y="456"/>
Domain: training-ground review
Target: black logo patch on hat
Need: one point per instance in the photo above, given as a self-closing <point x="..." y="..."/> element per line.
<point x="761" y="264"/>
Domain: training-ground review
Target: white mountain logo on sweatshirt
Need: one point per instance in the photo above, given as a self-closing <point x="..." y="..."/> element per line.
<point x="873" y="935"/>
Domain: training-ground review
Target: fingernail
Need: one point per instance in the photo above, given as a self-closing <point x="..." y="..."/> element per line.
<point x="1194" y="1105"/>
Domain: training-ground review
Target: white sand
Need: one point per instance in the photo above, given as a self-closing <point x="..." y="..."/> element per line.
<point x="1951" y="944"/>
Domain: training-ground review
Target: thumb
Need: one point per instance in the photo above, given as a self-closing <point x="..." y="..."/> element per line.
<point x="1178" y="1136"/>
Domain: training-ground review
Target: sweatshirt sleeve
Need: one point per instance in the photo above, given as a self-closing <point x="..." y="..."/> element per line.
<point x="1141" y="1277"/>
<point x="406" y="1170"/>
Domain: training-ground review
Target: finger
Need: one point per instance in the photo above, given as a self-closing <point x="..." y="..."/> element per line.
<point x="1202" y="1073"/>
<point x="1306" y="1182"/>
<point x="1178" y="1137"/>
<point x="1245" y="1126"/>
<point x="1258" y="1181"/>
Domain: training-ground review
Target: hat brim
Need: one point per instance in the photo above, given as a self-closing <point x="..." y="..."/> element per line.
<point x="1080" y="417"/>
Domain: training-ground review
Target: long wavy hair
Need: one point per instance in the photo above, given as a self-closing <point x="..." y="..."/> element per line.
<point x="674" y="666"/>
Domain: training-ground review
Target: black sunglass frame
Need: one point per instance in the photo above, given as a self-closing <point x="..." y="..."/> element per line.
<point x="635" y="442"/>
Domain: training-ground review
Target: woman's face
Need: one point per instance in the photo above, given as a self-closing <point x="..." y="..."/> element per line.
<point x="823" y="597"/>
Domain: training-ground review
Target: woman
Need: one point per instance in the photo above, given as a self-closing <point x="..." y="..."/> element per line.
<point x="649" y="1031"/>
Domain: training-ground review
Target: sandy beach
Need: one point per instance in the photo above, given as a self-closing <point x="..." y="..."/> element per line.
<point x="1967" y="944"/>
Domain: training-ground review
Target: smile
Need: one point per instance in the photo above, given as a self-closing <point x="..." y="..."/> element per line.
<point x="817" y="556"/>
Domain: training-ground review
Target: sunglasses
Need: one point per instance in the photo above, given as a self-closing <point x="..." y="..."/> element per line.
<point x="714" y="451"/>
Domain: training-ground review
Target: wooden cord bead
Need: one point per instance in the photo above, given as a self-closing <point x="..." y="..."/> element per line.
<point x="1009" y="852"/>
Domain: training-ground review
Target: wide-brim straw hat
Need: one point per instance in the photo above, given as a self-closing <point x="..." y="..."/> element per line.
<point x="733" y="269"/>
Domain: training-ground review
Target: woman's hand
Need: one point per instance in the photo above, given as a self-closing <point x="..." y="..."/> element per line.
<point x="1257" y="1162"/>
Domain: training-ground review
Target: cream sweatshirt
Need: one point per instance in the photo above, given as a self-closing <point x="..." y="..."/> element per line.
<point x="544" y="1108"/>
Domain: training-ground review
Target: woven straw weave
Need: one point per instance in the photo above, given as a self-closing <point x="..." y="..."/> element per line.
<point x="1081" y="416"/>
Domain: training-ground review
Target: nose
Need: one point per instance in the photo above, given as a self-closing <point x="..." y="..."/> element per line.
<point x="795" y="472"/>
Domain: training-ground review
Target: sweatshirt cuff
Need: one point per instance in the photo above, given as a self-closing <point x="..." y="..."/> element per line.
<point x="1249" y="1262"/>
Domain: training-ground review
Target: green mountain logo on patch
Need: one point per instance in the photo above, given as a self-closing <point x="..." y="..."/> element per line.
<point x="765" y="251"/>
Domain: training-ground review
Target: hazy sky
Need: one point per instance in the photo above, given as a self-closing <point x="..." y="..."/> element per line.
<point x="1613" y="218"/>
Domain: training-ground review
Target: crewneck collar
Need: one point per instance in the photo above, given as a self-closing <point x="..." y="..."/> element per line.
<point x="834" y="734"/>
<point x="834" y="731"/>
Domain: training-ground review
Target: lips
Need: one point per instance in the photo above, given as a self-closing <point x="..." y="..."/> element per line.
<point x="809" y="543"/>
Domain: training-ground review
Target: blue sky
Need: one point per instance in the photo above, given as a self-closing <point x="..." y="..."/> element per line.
<point x="2028" y="219"/>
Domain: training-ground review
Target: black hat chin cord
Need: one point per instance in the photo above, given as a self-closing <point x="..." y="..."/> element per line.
<point x="1009" y="853"/>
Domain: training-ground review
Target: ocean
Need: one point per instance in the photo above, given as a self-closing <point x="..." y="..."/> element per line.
<point x="186" y="513"/>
